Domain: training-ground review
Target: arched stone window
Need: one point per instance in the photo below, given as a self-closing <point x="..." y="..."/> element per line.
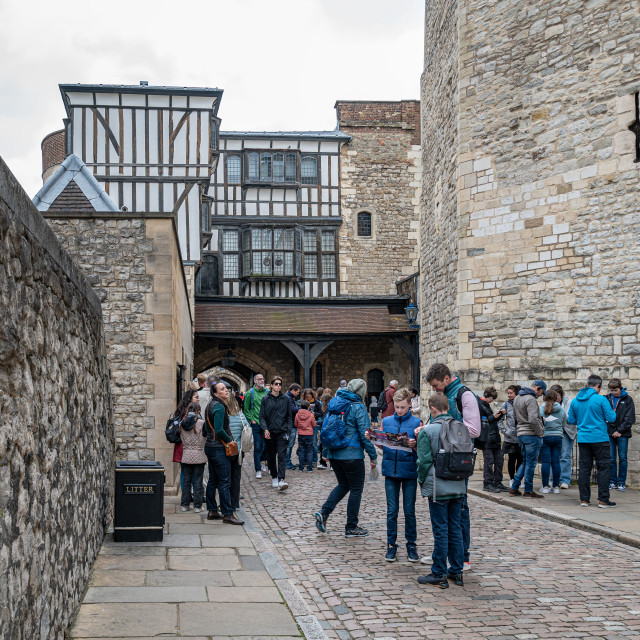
<point x="364" y="224"/>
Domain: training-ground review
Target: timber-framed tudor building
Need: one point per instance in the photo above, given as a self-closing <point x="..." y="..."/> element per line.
<point x="289" y="253"/>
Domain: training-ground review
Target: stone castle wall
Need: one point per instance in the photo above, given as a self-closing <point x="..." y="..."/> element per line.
<point x="134" y="265"/>
<point x="56" y="435"/>
<point x="380" y="172"/>
<point x="547" y="194"/>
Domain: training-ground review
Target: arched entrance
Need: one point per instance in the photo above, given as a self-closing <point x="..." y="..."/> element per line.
<point x="236" y="380"/>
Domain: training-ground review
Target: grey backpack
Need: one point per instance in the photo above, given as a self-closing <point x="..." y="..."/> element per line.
<point x="457" y="455"/>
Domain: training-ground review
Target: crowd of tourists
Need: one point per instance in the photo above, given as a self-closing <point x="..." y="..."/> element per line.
<point x="436" y="456"/>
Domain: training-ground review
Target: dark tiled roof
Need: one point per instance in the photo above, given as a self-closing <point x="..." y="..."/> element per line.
<point x="334" y="135"/>
<point x="285" y="319"/>
<point x="71" y="198"/>
<point x="141" y="88"/>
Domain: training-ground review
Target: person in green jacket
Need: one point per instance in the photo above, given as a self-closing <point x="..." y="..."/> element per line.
<point x="252" y="402"/>
<point x="445" y="501"/>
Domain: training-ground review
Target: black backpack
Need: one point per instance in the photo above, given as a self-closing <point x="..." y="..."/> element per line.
<point x="457" y="455"/>
<point x="382" y="400"/>
<point x="172" y="430"/>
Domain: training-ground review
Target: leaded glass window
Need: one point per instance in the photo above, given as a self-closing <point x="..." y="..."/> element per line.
<point x="309" y="170"/>
<point x="234" y="170"/>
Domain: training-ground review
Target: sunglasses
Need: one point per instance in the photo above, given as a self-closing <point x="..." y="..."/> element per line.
<point x="276" y="384"/>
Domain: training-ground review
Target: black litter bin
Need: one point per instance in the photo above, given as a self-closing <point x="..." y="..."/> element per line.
<point x="139" y="501"/>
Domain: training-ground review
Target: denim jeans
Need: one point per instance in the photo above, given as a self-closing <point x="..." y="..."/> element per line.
<point x="530" y="446"/>
<point x="550" y="459"/>
<point x="220" y="479"/>
<point x="565" y="459"/>
<point x="447" y="535"/>
<point x="292" y="441"/>
<point x="601" y="453"/>
<point x="350" y="477"/>
<point x="392" y="488"/>
<point x="192" y="477"/>
<point x="315" y="445"/>
<point x="465" y="524"/>
<point x="258" y="445"/>
<point x="306" y="452"/>
<point x="619" y="446"/>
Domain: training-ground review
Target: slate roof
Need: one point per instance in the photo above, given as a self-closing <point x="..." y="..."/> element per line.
<point x="291" y="319"/>
<point x="73" y="170"/>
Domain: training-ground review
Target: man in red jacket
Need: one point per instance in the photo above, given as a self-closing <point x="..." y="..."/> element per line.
<point x="388" y="394"/>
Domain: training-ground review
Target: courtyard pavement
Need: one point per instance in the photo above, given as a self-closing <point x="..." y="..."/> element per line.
<point x="278" y="577"/>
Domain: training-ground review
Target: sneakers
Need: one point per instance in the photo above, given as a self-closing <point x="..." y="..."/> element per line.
<point x="491" y="488"/>
<point x="466" y="566"/>
<point x="533" y="494"/>
<point x="356" y="532"/>
<point x="282" y="485"/>
<point x="426" y="560"/>
<point x="258" y="474"/>
<point x="321" y="522"/>
<point x="322" y="465"/>
<point x="456" y="578"/>
<point x="274" y="483"/>
<point x="391" y="553"/>
<point x="606" y="505"/>
<point x="290" y="467"/>
<point x="412" y="553"/>
<point x="556" y="489"/>
<point x="564" y="485"/>
<point x="501" y="487"/>
<point x="184" y="508"/>
<point x="621" y="487"/>
<point x="543" y="490"/>
<point x="584" y="503"/>
<point x="515" y="492"/>
<point x="612" y="485"/>
<point x="198" y="509"/>
<point x="436" y="581"/>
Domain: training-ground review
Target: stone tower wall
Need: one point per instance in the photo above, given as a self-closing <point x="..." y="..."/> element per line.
<point x="547" y="194"/>
<point x="56" y="432"/>
<point x="380" y="173"/>
<point x="439" y="211"/>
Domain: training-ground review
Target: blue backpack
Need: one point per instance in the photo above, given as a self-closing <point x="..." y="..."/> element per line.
<point x="333" y="432"/>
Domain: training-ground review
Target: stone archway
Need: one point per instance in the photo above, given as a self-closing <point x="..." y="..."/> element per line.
<point x="230" y="376"/>
<point x="211" y="358"/>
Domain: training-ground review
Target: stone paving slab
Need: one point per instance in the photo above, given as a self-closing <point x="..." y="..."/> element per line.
<point x="169" y="540"/>
<point x="244" y="594"/>
<point x="115" y="578"/>
<point x="124" y="549"/>
<point x="147" y="594"/>
<point x="250" y="578"/>
<point x="126" y="620"/>
<point x="186" y="578"/>
<point x="204" y="563"/>
<point x="130" y="563"/>
<point x="236" y="619"/>
<point x="209" y="552"/>
<point x="240" y="539"/>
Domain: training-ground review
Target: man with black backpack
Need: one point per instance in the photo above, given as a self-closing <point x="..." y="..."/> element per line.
<point x="385" y="401"/>
<point x="463" y="406"/>
<point x="445" y="460"/>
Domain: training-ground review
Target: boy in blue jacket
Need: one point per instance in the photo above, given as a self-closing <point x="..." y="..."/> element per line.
<point x="590" y="412"/>
<point x="401" y="472"/>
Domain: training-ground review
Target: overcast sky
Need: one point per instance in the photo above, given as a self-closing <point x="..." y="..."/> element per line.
<point x="281" y="63"/>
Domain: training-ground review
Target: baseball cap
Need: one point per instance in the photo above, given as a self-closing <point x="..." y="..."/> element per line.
<point x="542" y="384"/>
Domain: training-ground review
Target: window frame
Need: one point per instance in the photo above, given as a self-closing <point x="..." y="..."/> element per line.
<point x="252" y="173"/>
<point x="369" y="222"/>
<point x="231" y="156"/>
<point x="246" y="241"/>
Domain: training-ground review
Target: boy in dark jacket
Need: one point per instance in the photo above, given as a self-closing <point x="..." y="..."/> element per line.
<point x="400" y="472"/>
<point x="492" y="447"/>
<point x="619" y="432"/>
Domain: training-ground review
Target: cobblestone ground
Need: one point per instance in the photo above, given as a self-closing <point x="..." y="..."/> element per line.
<point x="530" y="578"/>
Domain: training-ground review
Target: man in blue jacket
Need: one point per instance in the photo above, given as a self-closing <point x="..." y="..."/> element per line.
<point x="590" y="412"/>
